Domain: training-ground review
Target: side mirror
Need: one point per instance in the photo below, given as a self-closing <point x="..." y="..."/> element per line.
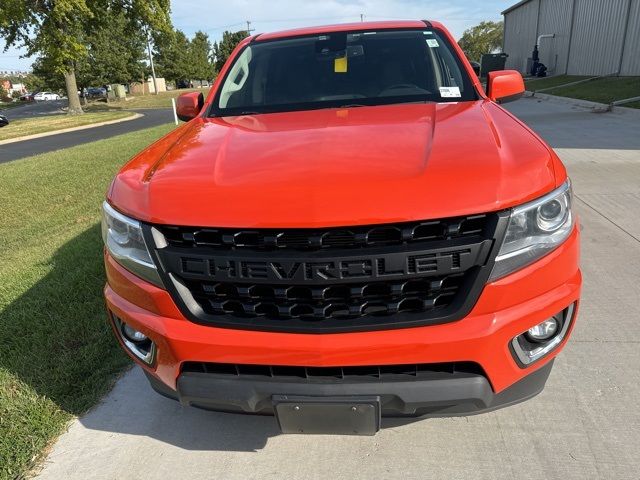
<point x="189" y="105"/>
<point x="504" y="86"/>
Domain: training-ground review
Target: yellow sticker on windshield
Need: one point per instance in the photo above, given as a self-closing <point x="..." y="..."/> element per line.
<point x="340" y="65"/>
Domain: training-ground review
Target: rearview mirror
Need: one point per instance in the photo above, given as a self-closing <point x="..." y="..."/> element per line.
<point x="189" y="105"/>
<point x="504" y="86"/>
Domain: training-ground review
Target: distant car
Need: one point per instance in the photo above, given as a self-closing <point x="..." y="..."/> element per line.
<point x="4" y="121"/>
<point x="26" y="97"/>
<point x="46" y="96"/>
<point x="96" y="92"/>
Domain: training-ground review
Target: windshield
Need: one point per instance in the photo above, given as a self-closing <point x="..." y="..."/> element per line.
<point x="343" y="69"/>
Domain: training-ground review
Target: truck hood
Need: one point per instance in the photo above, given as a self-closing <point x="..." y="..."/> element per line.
<point x="332" y="167"/>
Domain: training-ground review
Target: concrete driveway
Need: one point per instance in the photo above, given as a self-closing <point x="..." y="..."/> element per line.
<point x="585" y="425"/>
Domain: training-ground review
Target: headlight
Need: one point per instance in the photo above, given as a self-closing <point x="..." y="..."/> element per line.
<point x="123" y="238"/>
<point x="534" y="230"/>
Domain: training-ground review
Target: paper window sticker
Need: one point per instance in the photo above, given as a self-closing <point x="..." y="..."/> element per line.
<point x="340" y="65"/>
<point x="450" y="92"/>
<point x="432" y="42"/>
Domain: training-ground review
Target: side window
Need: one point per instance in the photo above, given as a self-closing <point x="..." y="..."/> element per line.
<point x="236" y="78"/>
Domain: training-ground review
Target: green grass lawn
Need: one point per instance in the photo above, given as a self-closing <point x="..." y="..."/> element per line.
<point x="57" y="355"/>
<point x="30" y="126"/>
<point x="602" y="90"/>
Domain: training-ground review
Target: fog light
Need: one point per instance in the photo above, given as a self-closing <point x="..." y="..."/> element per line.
<point x="135" y="342"/>
<point x="538" y="341"/>
<point x="133" y="334"/>
<point x="543" y="331"/>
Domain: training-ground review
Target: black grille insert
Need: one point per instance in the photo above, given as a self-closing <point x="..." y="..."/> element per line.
<point x="368" y="373"/>
<point x="341" y="237"/>
<point x="330" y="279"/>
<point x="317" y="303"/>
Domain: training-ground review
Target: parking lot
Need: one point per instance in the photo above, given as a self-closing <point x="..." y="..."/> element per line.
<point x="585" y="425"/>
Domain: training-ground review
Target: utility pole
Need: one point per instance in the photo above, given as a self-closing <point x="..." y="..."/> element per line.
<point x="249" y="29"/>
<point x="362" y="17"/>
<point x="153" y="69"/>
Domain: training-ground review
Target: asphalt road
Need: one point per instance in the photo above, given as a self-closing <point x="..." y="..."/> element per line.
<point x="26" y="148"/>
<point x="585" y="425"/>
<point x="36" y="109"/>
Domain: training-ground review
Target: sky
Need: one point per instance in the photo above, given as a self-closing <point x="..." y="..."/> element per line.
<point x="215" y="16"/>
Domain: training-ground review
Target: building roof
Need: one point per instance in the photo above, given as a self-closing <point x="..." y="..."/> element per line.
<point x="513" y="7"/>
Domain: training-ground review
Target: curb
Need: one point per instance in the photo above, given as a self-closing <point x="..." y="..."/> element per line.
<point x="595" y="107"/>
<point x="71" y="129"/>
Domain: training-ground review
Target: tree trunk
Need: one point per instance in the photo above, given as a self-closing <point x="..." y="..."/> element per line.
<point x="72" y="93"/>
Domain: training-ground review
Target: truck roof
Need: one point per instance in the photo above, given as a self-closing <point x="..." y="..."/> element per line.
<point x="381" y="25"/>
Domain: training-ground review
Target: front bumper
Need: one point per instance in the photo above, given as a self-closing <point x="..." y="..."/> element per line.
<point x="469" y="395"/>
<point x="506" y="308"/>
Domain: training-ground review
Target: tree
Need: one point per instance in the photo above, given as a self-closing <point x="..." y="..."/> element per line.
<point x="33" y="82"/>
<point x="222" y="49"/>
<point x="486" y="37"/>
<point x="57" y="30"/>
<point x="115" y="52"/>
<point x="53" y="29"/>
<point x="199" y="57"/>
<point x="172" y="57"/>
<point x="45" y="69"/>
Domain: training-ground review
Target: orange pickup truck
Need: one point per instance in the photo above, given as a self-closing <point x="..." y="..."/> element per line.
<point x="348" y="226"/>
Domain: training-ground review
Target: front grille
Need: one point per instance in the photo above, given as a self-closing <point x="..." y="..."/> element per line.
<point x="322" y="302"/>
<point x="351" y="237"/>
<point x="330" y="279"/>
<point x="368" y="373"/>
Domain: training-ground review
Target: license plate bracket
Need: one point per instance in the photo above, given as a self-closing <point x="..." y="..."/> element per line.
<point x="340" y="415"/>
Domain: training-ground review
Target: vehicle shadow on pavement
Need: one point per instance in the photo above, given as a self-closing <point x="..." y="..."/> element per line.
<point x="133" y="408"/>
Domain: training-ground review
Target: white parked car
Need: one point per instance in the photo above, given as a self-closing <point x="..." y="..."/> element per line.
<point x="46" y="96"/>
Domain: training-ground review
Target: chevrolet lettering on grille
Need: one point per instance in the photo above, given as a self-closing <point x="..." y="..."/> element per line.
<point x="332" y="269"/>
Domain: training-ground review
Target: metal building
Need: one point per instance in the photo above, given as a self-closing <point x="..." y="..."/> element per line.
<point x="591" y="37"/>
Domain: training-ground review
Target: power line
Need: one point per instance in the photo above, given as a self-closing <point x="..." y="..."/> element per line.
<point x="307" y="19"/>
<point x="275" y="20"/>
<point x="222" y="27"/>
